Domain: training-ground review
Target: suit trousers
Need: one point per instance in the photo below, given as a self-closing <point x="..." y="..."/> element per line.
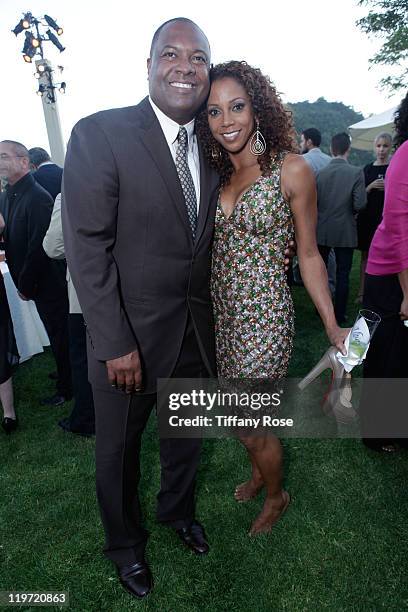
<point x="53" y="309"/>
<point x="344" y="261"/>
<point x="120" y="421"/>
<point x="82" y="417"/>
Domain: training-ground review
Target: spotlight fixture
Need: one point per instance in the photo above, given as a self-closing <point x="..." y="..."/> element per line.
<point x="23" y="24"/>
<point x="26" y="22"/>
<point x="41" y="70"/>
<point x="19" y="28"/>
<point x="29" y="49"/>
<point x="36" y="35"/>
<point x="55" y="41"/>
<point x="53" y="24"/>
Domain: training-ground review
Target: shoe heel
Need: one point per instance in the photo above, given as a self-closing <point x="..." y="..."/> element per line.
<point x="322" y="365"/>
<point x="346" y="393"/>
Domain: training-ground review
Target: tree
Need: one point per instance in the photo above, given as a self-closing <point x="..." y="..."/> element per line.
<point x="389" y="20"/>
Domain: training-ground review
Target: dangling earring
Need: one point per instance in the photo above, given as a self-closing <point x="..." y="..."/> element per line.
<point x="257" y="144"/>
<point x="215" y="153"/>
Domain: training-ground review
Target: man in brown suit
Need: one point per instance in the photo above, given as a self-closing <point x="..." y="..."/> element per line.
<point x="138" y="213"/>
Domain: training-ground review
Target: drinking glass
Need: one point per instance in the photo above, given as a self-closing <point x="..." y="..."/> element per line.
<point x="363" y="330"/>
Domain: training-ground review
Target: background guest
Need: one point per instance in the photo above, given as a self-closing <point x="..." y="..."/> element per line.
<point x="340" y="194"/>
<point x="383" y="404"/>
<point x="8" y="357"/>
<point x="370" y="218"/>
<point x="310" y="140"/>
<point x="45" y="172"/>
<point x="82" y="418"/>
<point x="26" y="209"/>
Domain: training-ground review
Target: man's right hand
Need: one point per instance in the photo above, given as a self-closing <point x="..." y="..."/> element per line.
<point x="125" y="373"/>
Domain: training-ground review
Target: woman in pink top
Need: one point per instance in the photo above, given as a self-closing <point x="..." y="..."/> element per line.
<point x="383" y="408"/>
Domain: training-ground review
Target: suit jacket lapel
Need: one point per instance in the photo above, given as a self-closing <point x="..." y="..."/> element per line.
<point x="204" y="194"/>
<point x="155" y="142"/>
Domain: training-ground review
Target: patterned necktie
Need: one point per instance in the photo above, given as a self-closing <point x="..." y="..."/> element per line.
<point x="186" y="179"/>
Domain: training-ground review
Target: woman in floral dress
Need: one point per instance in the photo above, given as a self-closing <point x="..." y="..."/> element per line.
<point x="267" y="195"/>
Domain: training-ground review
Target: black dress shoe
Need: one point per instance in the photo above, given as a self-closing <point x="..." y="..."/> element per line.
<point x="194" y="538"/>
<point x="65" y="424"/>
<point x="54" y="400"/>
<point x="9" y="424"/>
<point x="136" y="579"/>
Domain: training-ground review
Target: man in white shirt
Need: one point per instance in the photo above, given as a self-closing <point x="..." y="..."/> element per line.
<point x="138" y="213"/>
<point x="81" y="421"/>
<point x="310" y="141"/>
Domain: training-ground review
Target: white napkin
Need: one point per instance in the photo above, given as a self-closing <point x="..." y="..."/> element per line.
<point x="359" y="339"/>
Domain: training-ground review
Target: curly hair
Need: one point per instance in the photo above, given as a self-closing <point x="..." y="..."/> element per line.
<point x="275" y="122"/>
<point x="401" y="123"/>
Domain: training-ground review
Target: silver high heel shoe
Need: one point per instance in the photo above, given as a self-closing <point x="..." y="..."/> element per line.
<point x="337" y="401"/>
<point x="328" y="361"/>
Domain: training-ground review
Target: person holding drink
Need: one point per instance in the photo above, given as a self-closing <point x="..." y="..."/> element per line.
<point x="370" y="217"/>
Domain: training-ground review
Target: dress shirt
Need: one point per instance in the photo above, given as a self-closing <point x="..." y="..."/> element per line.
<point x="316" y="159"/>
<point x="46" y="163"/>
<point x="170" y="130"/>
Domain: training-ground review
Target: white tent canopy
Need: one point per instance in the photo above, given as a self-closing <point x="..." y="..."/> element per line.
<point x="364" y="132"/>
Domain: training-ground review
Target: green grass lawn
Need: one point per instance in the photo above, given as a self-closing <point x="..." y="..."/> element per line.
<point x="342" y="545"/>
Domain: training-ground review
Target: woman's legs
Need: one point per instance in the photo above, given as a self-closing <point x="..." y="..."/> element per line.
<point x="7" y="399"/>
<point x="267" y="454"/>
<point x="249" y="489"/>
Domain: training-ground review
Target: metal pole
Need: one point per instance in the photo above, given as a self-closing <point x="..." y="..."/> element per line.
<point x="51" y="114"/>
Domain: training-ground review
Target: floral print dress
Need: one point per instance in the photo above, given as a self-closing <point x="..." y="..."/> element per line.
<point x="253" y="309"/>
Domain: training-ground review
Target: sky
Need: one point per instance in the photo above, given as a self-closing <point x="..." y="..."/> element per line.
<point x="309" y="49"/>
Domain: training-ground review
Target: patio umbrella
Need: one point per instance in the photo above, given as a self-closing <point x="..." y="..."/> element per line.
<point x="364" y="132"/>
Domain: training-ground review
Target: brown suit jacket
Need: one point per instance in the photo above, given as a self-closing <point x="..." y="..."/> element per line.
<point x="128" y="243"/>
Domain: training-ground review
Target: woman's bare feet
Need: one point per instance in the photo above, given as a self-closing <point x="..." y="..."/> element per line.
<point x="247" y="490"/>
<point x="271" y="512"/>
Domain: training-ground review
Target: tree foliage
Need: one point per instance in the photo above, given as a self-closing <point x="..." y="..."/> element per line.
<point x="388" y="19"/>
<point x="329" y="118"/>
